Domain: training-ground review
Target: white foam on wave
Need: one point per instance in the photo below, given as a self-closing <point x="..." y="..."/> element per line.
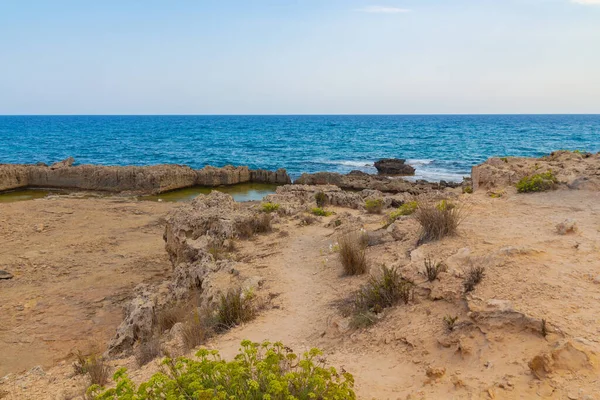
<point x="419" y="161"/>
<point x="348" y="163"/>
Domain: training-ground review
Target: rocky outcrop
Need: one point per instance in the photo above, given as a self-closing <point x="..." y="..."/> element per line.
<point x="574" y="170"/>
<point x="190" y="232"/>
<point x="357" y="180"/>
<point x="393" y="166"/>
<point x="139" y="180"/>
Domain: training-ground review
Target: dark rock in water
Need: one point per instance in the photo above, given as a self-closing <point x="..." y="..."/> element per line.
<point x="5" y="274"/>
<point x="393" y="166"/>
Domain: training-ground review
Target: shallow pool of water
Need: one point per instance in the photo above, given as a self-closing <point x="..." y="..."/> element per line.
<point x="240" y="192"/>
<point x="25" y="194"/>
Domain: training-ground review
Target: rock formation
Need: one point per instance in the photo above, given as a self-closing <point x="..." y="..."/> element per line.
<point x="574" y="169"/>
<point x="139" y="180"/>
<point x="393" y="166"/>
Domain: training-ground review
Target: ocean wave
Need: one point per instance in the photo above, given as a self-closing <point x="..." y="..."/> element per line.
<point x="419" y="161"/>
<point x="346" y="163"/>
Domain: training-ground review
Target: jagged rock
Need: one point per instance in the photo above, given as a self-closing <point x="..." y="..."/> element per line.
<point x="298" y="198"/>
<point x="495" y="313"/>
<point x="393" y="166"/>
<point x="5" y="275"/>
<point x="567" y="226"/>
<point x="138" y="322"/>
<point x="576" y="170"/>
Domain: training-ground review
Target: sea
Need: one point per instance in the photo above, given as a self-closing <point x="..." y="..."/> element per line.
<point x="440" y="147"/>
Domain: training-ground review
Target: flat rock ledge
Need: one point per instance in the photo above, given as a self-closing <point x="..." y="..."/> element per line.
<point x="136" y="180"/>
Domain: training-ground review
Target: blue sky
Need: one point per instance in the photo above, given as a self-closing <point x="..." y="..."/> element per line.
<point x="299" y="56"/>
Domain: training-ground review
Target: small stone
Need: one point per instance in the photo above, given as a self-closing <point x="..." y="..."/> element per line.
<point x="572" y="396"/>
<point x="434" y="372"/>
<point x="5" y="275"/>
<point x="40" y="228"/>
<point x="567" y="226"/>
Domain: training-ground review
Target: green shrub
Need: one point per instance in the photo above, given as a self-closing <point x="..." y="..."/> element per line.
<point x="432" y="269"/>
<point x="468" y="189"/>
<point x="259" y="371"/>
<point x="321" y="199"/>
<point x="383" y="291"/>
<point x="319" y="212"/>
<point x="537" y="183"/>
<point x="374" y="206"/>
<point x="269" y="207"/>
<point x="405" y="209"/>
<point x="438" y="220"/>
<point x="353" y="253"/>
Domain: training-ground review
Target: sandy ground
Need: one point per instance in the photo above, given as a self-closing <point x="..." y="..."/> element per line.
<point x="75" y="262"/>
<point x="542" y="274"/>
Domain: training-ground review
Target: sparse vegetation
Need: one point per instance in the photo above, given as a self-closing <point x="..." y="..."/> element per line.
<point x="195" y="330"/>
<point x="363" y="319"/>
<point x="259" y="371"/>
<point x="93" y="366"/>
<point x="269" y="207"/>
<point x="450" y="322"/>
<point x="544" y="328"/>
<point x="260" y="224"/>
<point x="374" y="206"/>
<point x="472" y="278"/>
<point x="148" y="351"/>
<point x="468" y="189"/>
<point x="505" y="159"/>
<point x="319" y="212"/>
<point x="432" y="269"/>
<point x="537" y="183"/>
<point x="407" y="208"/>
<point x="234" y="308"/>
<point x="321" y="199"/>
<point x="307" y="219"/>
<point x="438" y="220"/>
<point x="383" y="291"/>
<point x="171" y="314"/>
<point x="353" y="253"/>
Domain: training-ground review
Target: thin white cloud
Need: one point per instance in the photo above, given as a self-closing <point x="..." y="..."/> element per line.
<point x="587" y="2"/>
<point x="392" y="10"/>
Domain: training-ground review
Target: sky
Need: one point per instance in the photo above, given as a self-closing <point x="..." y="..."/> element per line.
<point x="299" y="56"/>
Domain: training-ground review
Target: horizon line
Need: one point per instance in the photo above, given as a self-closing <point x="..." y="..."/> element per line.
<point x="293" y="115"/>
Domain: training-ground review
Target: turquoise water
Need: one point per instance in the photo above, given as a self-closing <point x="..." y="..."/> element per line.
<point x="439" y="146"/>
<point x="240" y="192"/>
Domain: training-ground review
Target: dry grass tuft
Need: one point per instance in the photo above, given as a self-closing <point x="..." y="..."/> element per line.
<point x="195" y="331"/>
<point x="450" y="322"/>
<point x="93" y="366"/>
<point x="383" y="291"/>
<point x="438" y="220"/>
<point x="172" y="314"/>
<point x="235" y="308"/>
<point x="433" y="269"/>
<point x="473" y="277"/>
<point x="148" y="351"/>
<point x="353" y="253"/>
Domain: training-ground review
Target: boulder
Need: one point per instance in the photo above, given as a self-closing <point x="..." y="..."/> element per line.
<point x="67" y="162"/>
<point x="393" y="166"/>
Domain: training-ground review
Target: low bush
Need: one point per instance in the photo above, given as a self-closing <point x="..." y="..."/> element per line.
<point x="537" y="183"/>
<point x="269" y="207"/>
<point x="93" y="366"/>
<point x="432" y="269"/>
<point x="468" y="189"/>
<point x="363" y="319"/>
<point x="319" y="212"/>
<point x="383" y="291"/>
<point x="438" y="220"/>
<point x="407" y="208"/>
<point x="235" y="308"/>
<point x="472" y="278"/>
<point x="374" y="206"/>
<point x="259" y="371"/>
<point x="353" y="253"/>
<point x="307" y="219"/>
<point x="321" y="199"/>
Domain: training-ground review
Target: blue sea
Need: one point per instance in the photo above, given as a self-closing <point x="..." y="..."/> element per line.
<point x="439" y="146"/>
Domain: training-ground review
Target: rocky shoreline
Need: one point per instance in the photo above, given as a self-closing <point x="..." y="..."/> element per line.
<point x="157" y="179"/>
